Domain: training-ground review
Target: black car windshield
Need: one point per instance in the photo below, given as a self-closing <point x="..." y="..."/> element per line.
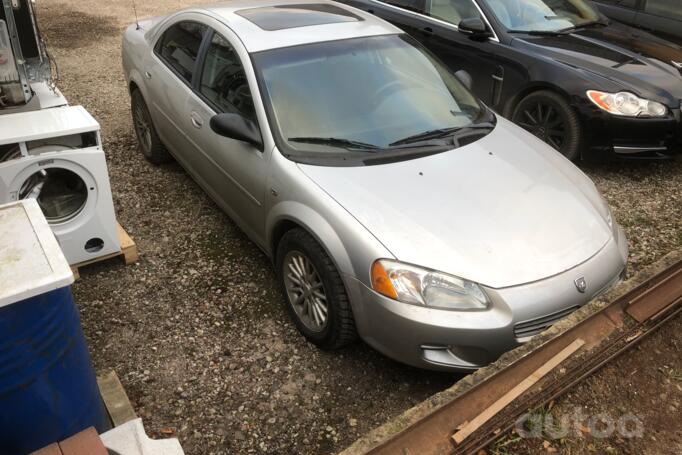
<point x="359" y="98"/>
<point x="543" y="15"/>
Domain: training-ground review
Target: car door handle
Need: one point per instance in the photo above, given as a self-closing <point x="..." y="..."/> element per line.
<point x="428" y="31"/>
<point x="147" y="75"/>
<point x="197" y="122"/>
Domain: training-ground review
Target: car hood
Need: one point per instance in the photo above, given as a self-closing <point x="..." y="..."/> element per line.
<point x="502" y="211"/>
<point x="631" y="58"/>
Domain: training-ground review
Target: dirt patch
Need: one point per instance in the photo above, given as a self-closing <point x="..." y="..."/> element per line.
<point x="69" y="28"/>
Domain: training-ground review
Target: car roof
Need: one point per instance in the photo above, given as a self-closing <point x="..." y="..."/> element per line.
<point x="271" y="24"/>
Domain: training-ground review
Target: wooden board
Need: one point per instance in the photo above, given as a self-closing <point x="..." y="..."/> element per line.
<point x="128" y="252"/>
<point x="115" y="399"/>
<point x="469" y="427"/>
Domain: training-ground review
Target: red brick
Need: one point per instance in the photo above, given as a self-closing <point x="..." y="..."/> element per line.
<point x="87" y="442"/>
<point x="52" y="449"/>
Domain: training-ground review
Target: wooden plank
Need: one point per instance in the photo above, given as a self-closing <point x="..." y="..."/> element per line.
<point x="656" y="299"/>
<point x="128" y="247"/>
<point x="468" y="428"/>
<point x="115" y="399"/>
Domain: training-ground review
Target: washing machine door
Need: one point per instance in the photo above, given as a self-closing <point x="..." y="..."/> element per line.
<point x="61" y="193"/>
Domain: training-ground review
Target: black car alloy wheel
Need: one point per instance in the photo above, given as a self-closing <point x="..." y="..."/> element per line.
<point x="549" y="117"/>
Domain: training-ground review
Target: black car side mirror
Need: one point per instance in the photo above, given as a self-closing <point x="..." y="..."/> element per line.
<point x="465" y="78"/>
<point x="237" y="127"/>
<point x="474" y="27"/>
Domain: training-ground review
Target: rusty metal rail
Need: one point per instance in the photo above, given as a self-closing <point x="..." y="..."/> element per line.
<point x="607" y="334"/>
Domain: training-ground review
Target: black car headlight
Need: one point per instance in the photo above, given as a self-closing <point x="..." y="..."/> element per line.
<point x="626" y="104"/>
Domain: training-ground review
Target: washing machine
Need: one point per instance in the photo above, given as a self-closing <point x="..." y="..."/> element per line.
<point x="55" y="157"/>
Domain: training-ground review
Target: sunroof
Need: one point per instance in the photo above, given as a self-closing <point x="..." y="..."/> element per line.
<point x="291" y="16"/>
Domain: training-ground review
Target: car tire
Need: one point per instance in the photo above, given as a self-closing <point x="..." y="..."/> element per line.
<point x="548" y="116"/>
<point x="148" y="139"/>
<point x="299" y="250"/>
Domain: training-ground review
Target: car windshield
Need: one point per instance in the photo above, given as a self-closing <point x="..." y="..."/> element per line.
<point x="543" y="15"/>
<point x="364" y="97"/>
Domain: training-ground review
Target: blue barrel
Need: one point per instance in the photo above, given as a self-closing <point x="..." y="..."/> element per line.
<point x="48" y="389"/>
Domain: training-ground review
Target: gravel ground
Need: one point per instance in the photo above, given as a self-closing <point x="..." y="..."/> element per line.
<point x="197" y="331"/>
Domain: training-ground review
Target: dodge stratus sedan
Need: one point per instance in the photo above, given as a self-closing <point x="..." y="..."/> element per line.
<point x="394" y="205"/>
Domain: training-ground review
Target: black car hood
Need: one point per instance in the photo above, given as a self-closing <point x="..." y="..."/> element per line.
<point x="633" y="59"/>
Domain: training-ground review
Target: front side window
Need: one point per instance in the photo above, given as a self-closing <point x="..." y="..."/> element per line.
<point x="223" y="81"/>
<point x="179" y="47"/>
<point x="543" y="15"/>
<point x="665" y="8"/>
<point x="363" y="97"/>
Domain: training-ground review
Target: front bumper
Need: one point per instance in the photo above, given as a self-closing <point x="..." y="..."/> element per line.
<point x="464" y="341"/>
<point x="608" y="136"/>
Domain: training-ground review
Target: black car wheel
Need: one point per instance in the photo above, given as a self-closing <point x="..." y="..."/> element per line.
<point x="548" y="116"/>
<point x="150" y="144"/>
<point x="316" y="297"/>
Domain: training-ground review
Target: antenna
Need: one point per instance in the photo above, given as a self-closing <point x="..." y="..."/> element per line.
<point x="137" y="23"/>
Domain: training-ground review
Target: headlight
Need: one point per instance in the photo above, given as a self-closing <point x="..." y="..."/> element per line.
<point x="409" y="284"/>
<point x="626" y="104"/>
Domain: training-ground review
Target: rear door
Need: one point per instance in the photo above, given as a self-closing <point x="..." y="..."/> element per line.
<point x="169" y="73"/>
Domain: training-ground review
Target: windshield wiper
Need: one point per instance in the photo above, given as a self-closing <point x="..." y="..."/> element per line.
<point x="442" y="132"/>
<point x="335" y="142"/>
<point x="584" y="25"/>
<point x="540" y="32"/>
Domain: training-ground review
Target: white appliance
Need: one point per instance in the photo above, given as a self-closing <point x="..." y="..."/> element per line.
<point x="55" y="157"/>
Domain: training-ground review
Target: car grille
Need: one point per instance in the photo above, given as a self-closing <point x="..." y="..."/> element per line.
<point x="534" y="326"/>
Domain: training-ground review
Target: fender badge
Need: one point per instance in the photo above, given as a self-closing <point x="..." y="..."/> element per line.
<point x="581" y="284"/>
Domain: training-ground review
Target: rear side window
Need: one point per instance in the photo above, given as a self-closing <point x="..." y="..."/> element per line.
<point x="179" y="46"/>
<point x="666" y="8"/>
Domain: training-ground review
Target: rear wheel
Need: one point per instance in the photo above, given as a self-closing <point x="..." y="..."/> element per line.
<point x="149" y="143"/>
<point x="548" y="116"/>
<point x="316" y="297"/>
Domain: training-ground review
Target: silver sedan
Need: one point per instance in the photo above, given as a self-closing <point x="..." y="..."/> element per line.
<point x="394" y="205"/>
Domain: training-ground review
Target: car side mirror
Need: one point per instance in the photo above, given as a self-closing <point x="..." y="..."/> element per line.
<point x="475" y="28"/>
<point x="237" y="127"/>
<point x="465" y="78"/>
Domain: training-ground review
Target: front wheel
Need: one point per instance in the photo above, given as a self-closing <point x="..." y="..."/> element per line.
<point x="548" y="116"/>
<point x="316" y="297"/>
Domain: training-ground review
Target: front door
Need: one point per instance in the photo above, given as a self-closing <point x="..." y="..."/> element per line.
<point x="233" y="171"/>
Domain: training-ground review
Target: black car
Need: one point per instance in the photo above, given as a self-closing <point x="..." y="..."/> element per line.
<point x="660" y="17"/>
<point x="558" y="68"/>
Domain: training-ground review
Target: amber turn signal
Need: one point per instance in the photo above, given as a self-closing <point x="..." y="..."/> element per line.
<point x="381" y="282"/>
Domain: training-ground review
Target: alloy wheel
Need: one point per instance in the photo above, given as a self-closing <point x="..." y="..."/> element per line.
<point x="544" y="121"/>
<point x="143" y="128"/>
<point x="305" y="291"/>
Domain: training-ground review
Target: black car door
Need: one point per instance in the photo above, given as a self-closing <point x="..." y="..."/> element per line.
<point x="434" y="24"/>
<point x="663" y="18"/>
<point x="620" y="10"/>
